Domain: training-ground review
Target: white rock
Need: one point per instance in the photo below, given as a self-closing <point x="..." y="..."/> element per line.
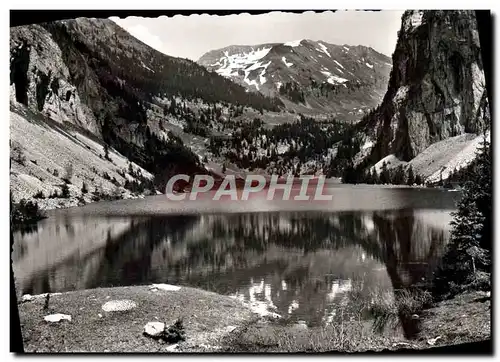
<point x="167" y="287"/>
<point x="229" y="329"/>
<point x="99" y="315"/>
<point x="154" y="329"/>
<point x="300" y="325"/>
<point x="54" y="318"/>
<point x="172" y="348"/>
<point x="118" y="305"/>
<point x="433" y="341"/>
<point x="27" y="298"/>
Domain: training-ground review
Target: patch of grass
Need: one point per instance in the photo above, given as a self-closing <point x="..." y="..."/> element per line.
<point x="346" y="336"/>
<point x="386" y="310"/>
<point x="205" y="316"/>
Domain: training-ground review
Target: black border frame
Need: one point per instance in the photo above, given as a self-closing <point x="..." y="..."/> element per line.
<point x="24" y="17"/>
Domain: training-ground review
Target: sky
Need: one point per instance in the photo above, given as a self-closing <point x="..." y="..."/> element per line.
<point x="192" y="36"/>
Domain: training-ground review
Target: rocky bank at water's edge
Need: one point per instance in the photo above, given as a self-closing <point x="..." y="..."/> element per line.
<point x="114" y="320"/>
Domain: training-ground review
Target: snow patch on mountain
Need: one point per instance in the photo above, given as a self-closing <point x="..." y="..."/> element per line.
<point x="251" y="82"/>
<point x="231" y="64"/>
<point x="261" y="76"/>
<point x="294" y="43"/>
<point x="287" y="64"/>
<point x="333" y="79"/>
<point x="340" y="65"/>
<point x="146" y="67"/>
<point x="324" y="49"/>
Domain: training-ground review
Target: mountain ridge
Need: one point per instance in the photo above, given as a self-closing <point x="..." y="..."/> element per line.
<point x="308" y="76"/>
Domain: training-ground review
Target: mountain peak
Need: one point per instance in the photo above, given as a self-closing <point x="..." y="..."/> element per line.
<point x="315" y="73"/>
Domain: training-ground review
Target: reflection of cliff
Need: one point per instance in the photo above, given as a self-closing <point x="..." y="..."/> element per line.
<point x="81" y="253"/>
<point x="304" y="265"/>
<point x="58" y="241"/>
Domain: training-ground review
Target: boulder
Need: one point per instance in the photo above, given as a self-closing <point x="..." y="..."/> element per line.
<point x="118" y="305"/>
<point x="154" y="329"/>
<point x="54" y="318"/>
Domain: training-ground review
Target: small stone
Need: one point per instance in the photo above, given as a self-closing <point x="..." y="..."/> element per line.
<point x="415" y="316"/>
<point x="167" y="287"/>
<point x="400" y="344"/>
<point x="99" y="315"/>
<point x="118" y="305"/>
<point x="54" y="318"/>
<point x="172" y="348"/>
<point x="229" y="329"/>
<point x="108" y="297"/>
<point x="154" y="329"/>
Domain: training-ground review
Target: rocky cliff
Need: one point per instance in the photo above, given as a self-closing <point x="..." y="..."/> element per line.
<point x="41" y="80"/>
<point x="436" y="88"/>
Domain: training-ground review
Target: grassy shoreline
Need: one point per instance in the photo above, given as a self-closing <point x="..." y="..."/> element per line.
<point x="217" y="323"/>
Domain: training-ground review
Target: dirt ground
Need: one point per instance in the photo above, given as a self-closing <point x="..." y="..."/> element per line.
<point x="206" y="317"/>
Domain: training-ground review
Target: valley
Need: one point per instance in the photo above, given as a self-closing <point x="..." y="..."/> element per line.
<point x="106" y="256"/>
<point x="300" y="107"/>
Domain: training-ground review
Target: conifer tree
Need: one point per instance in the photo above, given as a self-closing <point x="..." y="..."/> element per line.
<point x="466" y="264"/>
<point x="411" y="177"/>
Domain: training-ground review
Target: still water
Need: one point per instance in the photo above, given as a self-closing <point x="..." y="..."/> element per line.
<point x="304" y="262"/>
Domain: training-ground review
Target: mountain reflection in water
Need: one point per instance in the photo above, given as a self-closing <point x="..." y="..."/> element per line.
<point x="301" y="265"/>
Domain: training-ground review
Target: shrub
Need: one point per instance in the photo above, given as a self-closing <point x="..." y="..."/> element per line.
<point x="468" y="256"/>
<point x="65" y="191"/>
<point x="175" y="333"/>
<point x="68" y="173"/>
<point x="406" y="303"/>
<point x="39" y="195"/>
<point x="24" y="214"/>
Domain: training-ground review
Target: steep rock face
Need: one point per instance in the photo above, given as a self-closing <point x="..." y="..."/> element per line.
<point x="309" y="76"/>
<point x="41" y="80"/>
<point x="436" y="88"/>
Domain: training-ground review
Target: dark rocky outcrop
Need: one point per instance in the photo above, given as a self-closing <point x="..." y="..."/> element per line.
<point x="436" y="88"/>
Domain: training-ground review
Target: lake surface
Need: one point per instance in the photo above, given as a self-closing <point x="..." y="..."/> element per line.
<point x="304" y="261"/>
